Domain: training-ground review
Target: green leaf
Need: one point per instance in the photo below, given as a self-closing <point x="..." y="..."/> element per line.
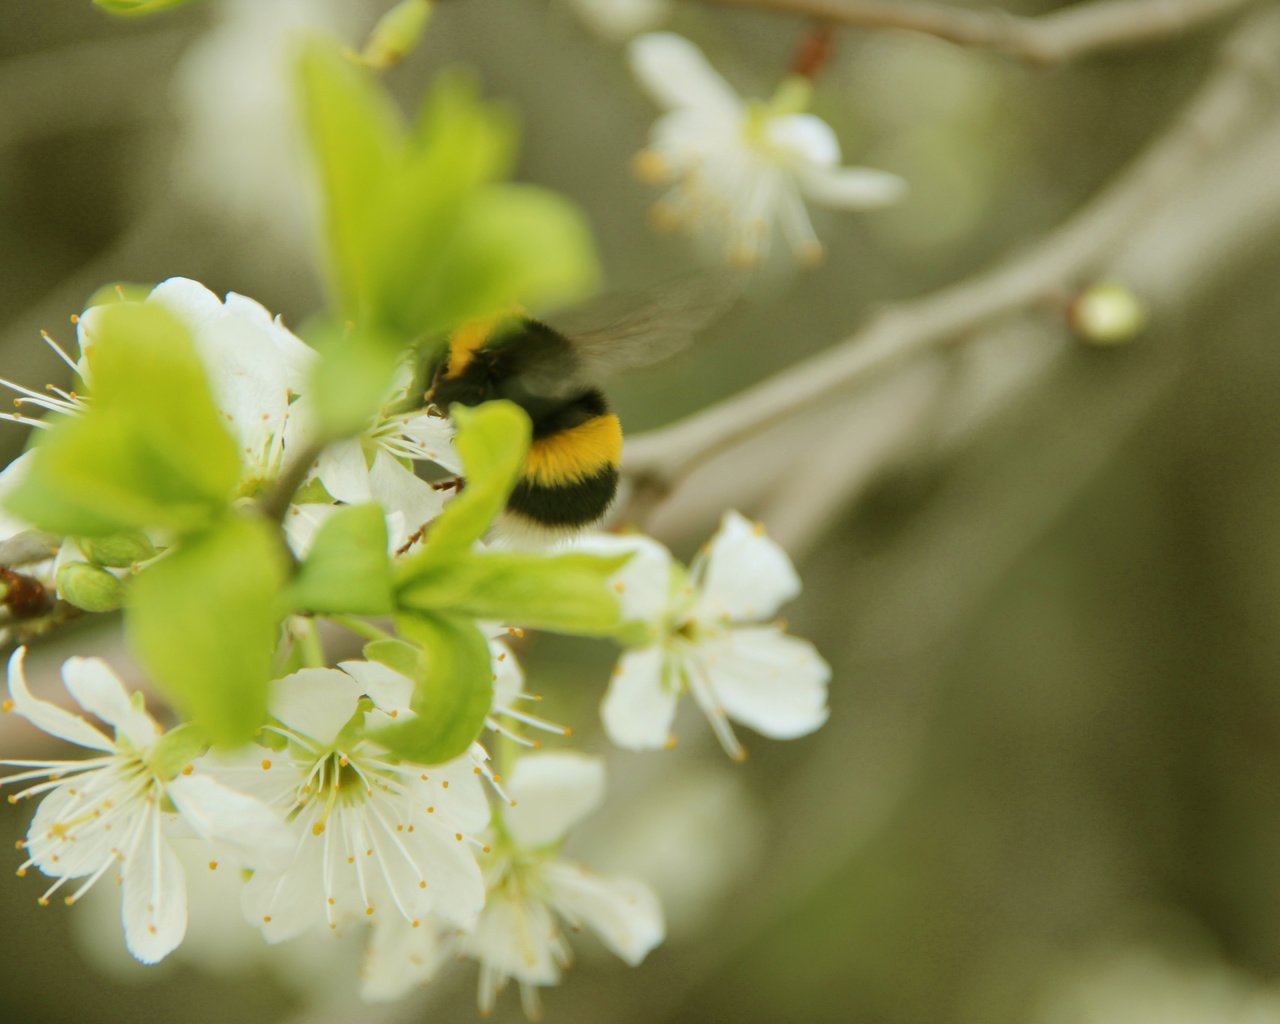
<point x="568" y="593"/>
<point x="421" y="234"/>
<point x="511" y="245"/>
<point x="396" y="34"/>
<point x="492" y="440"/>
<point x="351" y="379"/>
<point x="396" y="655"/>
<point x="128" y="8"/>
<point x="150" y="451"/>
<point x="348" y="570"/>
<point x="357" y="139"/>
<point x="204" y="622"/>
<point x="453" y="689"/>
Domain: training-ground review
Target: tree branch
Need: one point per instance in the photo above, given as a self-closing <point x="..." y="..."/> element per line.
<point x="1076" y="31"/>
<point x="1215" y="118"/>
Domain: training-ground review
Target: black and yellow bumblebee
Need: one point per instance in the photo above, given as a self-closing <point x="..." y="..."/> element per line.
<point x="571" y="473"/>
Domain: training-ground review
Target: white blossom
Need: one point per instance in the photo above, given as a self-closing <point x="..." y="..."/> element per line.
<point x="117" y="809"/>
<point x="529" y="886"/>
<point x="738" y="168"/>
<point x="707" y="634"/>
<point x="377" y="466"/>
<point x="256" y="368"/>
<point x="373" y="838"/>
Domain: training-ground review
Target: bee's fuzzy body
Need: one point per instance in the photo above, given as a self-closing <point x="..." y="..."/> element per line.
<point x="571" y="472"/>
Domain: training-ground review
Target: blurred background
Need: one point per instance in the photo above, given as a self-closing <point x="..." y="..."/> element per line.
<point x="1046" y="574"/>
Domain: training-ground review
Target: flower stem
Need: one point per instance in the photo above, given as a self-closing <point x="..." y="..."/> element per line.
<point x="310" y="646"/>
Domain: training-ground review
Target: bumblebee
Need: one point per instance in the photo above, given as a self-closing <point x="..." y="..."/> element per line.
<point x="570" y="476"/>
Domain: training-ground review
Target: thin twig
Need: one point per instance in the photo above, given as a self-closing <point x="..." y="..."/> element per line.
<point x="1075" y="31"/>
<point x="1217" y="116"/>
<point x="275" y="504"/>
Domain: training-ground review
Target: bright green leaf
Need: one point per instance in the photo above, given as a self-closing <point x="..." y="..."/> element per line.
<point x="510" y="245"/>
<point x="356" y="139"/>
<point x="204" y="622"/>
<point x="131" y="7"/>
<point x="352" y="378"/>
<point x="568" y="593"/>
<point x="396" y="34"/>
<point x="347" y="570"/>
<point x="492" y="440"/>
<point x="396" y="655"/>
<point x="453" y="689"/>
<point x="421" y="234"/>
<point x="149" y="451"/>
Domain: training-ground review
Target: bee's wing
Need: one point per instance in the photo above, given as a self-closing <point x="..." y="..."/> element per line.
<point x="624" y="332"/>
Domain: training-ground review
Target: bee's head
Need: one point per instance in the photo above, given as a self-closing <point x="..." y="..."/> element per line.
<point x="471" y="387"/>
<point x="475" y="361"/>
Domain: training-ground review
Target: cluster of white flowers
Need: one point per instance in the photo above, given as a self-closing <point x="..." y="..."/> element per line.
<point x="330" y="831"/>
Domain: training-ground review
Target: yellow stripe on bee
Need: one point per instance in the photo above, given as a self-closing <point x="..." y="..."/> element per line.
<point x="568" y="456"/>
<point x="470" y="338"/>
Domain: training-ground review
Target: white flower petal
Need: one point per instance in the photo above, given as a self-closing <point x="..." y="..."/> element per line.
<point x="552" y="793"/>
<point x="99" y="691"/>
<point x="254" y="833"/>
<point x="852" y="188"/>
<point x="155" y="895"/>
<point x="742" y="576"/>
<point x="49" y="717"/>
<point x="400" y="490"/>
<point x="298" y="357"/>
<point x="623" y="912"/>
<point x="640" y="704"/>
<point x="455" y="886"/>
<point x="387" y="688"/>
<point x="643" y="584"/>
<point x="676" y="74"/>
<point x="10" y="478"/>
<point x="399" y="958"/>
<point x="251" y="372"/>
<point x="775" y="683"/>
<point x="344" y="472"/>
<point x="284" y="904"/>
<point x="516" y="940"/>
<point x="457" y="795"/>
<point x="508" y="676"/>
<point x="189" y="300"/>
<point x="316" y="702"/>
<point x="65" y="839"/>
<point x="804" y="138"/>
<point x="433" y="437"/>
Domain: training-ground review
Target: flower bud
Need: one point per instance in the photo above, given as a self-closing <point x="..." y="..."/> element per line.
<point x="89" y="587"/>
<point x="1107" y="313"/>
<point x="119" y="550"/>
<point x="396" y="34"/>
